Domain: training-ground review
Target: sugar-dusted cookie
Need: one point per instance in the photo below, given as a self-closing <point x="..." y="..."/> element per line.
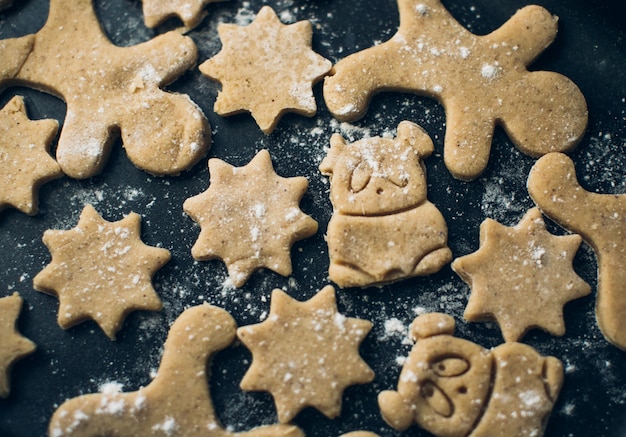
<point x="522" y="276"/>
<point x="305" y="354"/>
<point x="455" y="388"/>
<point x="266" y="68"/>
<point x="13" y="346"/>
<point x="601" y="220"/>
<point x="100" y="270"/>
<point x="109" y="89"/>
<point x="383" y="228"/>
<point x="177" y="402"/>
<point x="25" y="163"/>
<point x="481" y="81"/>
<point x="13" y="52"/>
<point x="190" y="12"/>
<point x="249" y="218"/>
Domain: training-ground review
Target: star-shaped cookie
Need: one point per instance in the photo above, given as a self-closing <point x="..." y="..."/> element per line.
<point x="522" y="276"/>
<point x="13" y="345"/>
<point x="267" y="68"/>
<point x="190" y="12"/>
<point x="25" y="163"/>
<point x="305" y="354"/>
<point x="101" y="270"/>
<point x="249" y="217"/>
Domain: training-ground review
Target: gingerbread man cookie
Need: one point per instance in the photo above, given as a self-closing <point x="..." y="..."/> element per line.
<point x="177" y="402"/>
<point x="101" y="270"/>
<point x="455" y="388"/>
<point x="266" y="68"/>
<point x="190" y="12"/>
<point x="13" y="346"/>
<point x="601" y="220"/>
<point x="25" y="163"/>
<point x="109" y="89"/>
<point x="481" y="81"/>
<point x="383" y="228"/>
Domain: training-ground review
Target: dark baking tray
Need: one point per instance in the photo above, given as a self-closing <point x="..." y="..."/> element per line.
<point x="590" y="49"/>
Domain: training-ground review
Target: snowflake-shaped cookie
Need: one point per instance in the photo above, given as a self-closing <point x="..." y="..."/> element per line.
<point x="101" y="270"/>
<point x="189" y="11"/>
<point x="522" y="276"/>
<point x="249" y="217"/>
<point x="24" y="160"/>
<point x="305" y="354"/>
<point x="13" y="345"/>
<point x="266" y="68"/>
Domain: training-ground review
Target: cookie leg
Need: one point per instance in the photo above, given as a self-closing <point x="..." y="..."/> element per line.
<point x="601" y="220"/>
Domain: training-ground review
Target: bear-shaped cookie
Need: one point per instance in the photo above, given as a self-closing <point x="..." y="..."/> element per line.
<point x="383" y="228"/>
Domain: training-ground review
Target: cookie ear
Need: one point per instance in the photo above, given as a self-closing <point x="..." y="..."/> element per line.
<point x="432" y="324"/>
<point x="411" y="134"/>
<point x="337" y="144"/>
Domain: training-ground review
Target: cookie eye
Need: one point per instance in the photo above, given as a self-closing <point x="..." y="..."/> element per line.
<point x="437" y="399"/>
<point x="450" y="366"/>
<point x="360" y="177"/>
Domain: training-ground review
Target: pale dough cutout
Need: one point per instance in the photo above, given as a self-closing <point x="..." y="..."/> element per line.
<point x="480" y="80"/>
<point x="101" y="270"/>
<point x="190" y="12"/>
<point x="305" y="354"/>
<point x="267" y="68"/>
<point x="13" y="52"/>
<point x="522" y="276"/>
<point x="601" y="220"/>
<point x="177" y="402"/>
<point x="383" y="228"/>
<point x="111" y="89"/>
<point x="249" y="218"/>
<point x="13" y="346"/>
<point x="25" y="163"/>
<point x="455" y="388"/>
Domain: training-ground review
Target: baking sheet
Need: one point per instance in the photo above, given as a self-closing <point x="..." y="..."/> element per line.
<point x="590" y="49"/>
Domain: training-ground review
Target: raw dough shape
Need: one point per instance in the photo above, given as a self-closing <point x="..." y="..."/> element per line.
<point x="267" y="68"/>
<point x="25" y="162"/>
<point x="13" y="346"/>
<point x="101" y="270"/>
<point x="360" y="434"/>
<point x="178" y="400"/>
<point x="383" y="228"/>
<point x="109" y="89"/>
<point x="522" y="276"/>
<point x="455" y="388"/>
<point x="305" y="354"/>
<point x="481" y="81"/>
<point x="190" y="12"/>
<point x="601" y="220"/>
<point x="249" y="218"/>
<point x="13" y="52"/>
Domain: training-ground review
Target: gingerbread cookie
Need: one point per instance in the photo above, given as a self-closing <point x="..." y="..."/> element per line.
<point x="13" y="346"/>
<point x="249" y="218"/>
<point x="25" y="163"/>
<point x="522" y="276"/>
<point x="305" y="354"/>
<point x="101" y="271"/>
<point x="383" y="228"/>
<point x="601" y="220"/>
<point x="266" y="68"/>
<point x="190" y="12"/>
<point x="109" y="89"/>
<point x="481" y="81"/>
<point x="177" y="402"/>
<point x="452" y="387"/>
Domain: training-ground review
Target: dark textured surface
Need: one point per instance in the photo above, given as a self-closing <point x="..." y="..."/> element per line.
<point x="590" y="49"/>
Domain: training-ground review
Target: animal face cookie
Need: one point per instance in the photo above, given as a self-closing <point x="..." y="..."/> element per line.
<point x="190" y="12"/>
<point x="13" y="346"/>
<point x="249" y="225"/>
<point x="383" y="228"/>
<point x="452" y="387"/>
<point x="109" y="89"/>
<point x="601" y="220"/>
<point x="522" y="276"/>
<point x="101" y="271"/>
<point x="177" y="401"/>
<point x="25" y="163"/>
<point x="481" y="81"/>
<point x="305" y="354"/>
<point x="266" y="68"/>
